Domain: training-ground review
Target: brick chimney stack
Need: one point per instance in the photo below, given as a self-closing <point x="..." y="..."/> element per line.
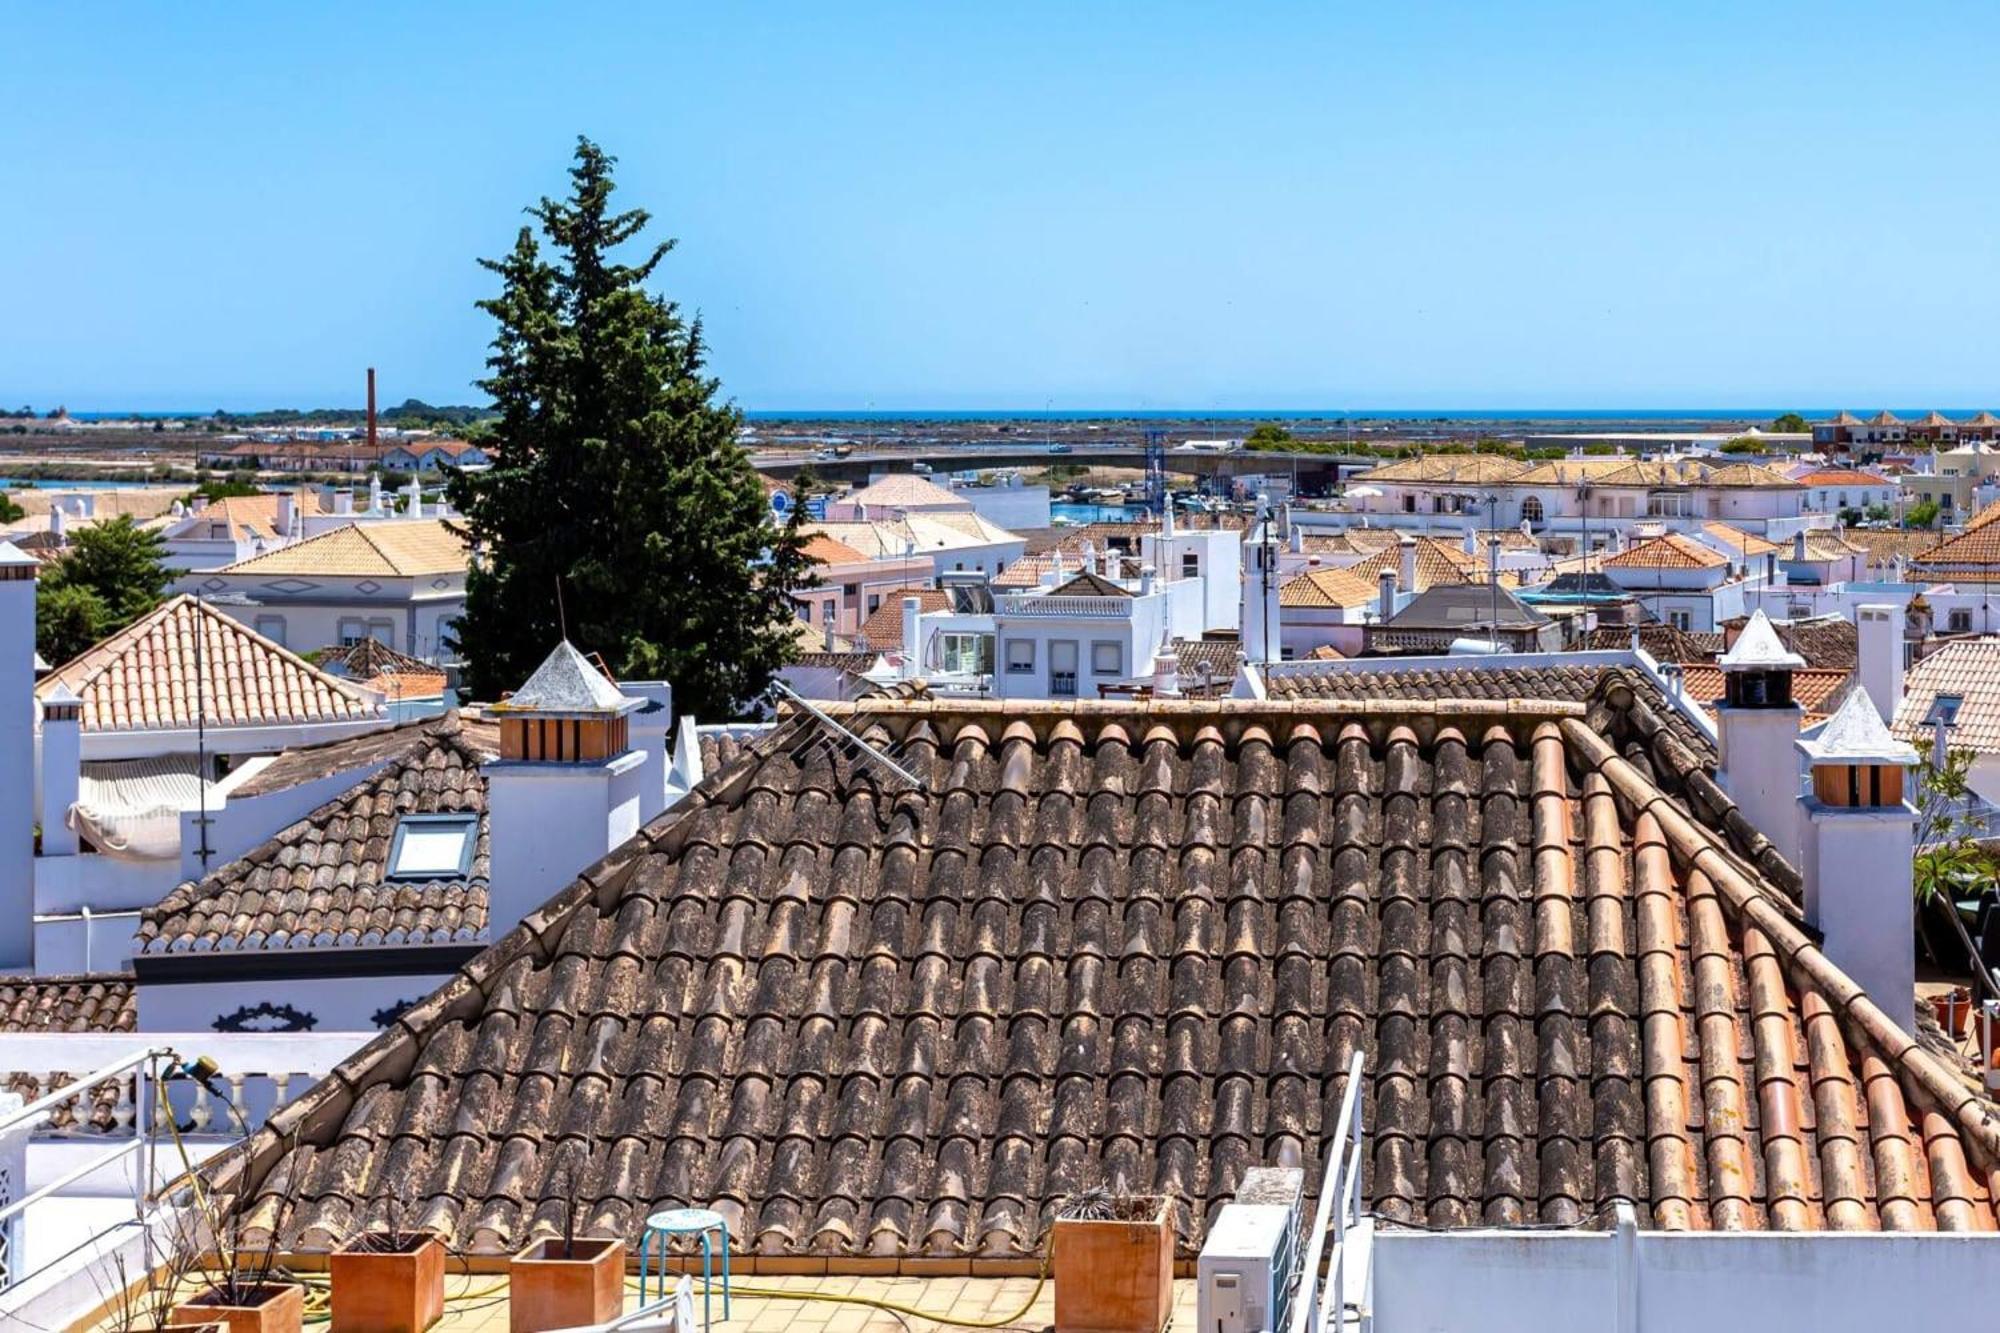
<point x="371" y="411"/>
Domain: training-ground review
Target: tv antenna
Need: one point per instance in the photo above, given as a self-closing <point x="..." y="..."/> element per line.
<point x="861" y="748"/>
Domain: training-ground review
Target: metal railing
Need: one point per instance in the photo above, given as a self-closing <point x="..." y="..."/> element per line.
<point x="1042" y="604"/>
<point x="140" y="1141"/>
<point x="1339" y="1209"/>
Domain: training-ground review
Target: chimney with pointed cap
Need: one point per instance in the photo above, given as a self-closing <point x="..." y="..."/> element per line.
<point x="1758" y="723"/>
<point x="1860" y="841"/>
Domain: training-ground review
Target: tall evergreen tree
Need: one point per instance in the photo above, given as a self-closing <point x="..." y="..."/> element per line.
<point x="620" y="502"/>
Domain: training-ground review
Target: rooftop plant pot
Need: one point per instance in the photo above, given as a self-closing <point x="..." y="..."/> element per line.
<point x="274" y="1307"/>
<point x="1953" y="1010"/>
<point x="387" y="1283"/>
<point x="1116" y="1275"/>
<point x="556" y="1285"/>
<point x="204" y="1326"/>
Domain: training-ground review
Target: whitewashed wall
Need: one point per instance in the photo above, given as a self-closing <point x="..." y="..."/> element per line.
<point x="1659" y="1282"/>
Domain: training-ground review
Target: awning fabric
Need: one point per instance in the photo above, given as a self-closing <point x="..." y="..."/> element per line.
<point x="131" y="808"/>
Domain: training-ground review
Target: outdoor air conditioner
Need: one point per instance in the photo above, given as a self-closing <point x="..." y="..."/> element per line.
<point x="1246" y="1270"/>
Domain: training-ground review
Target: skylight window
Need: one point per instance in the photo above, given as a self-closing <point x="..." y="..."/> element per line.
<point x="433" y="846"/>
<point x="1944" y="710"/>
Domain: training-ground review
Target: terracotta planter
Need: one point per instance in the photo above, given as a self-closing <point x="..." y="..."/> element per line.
<point x="281" y="1310"/>
<point x="1953" y="1011"/>
<point x="206" y="1326"/>
<point x="548" y="1289"/>
<point x="1116" y="1276"/>
<point x="387" y="1291"/>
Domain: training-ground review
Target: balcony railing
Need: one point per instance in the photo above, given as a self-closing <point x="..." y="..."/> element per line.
<point x="1092" y="608"/>
<point x="259" y="1072"/>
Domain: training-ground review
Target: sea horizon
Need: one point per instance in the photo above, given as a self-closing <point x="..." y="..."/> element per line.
<point x="1370" y="414"/>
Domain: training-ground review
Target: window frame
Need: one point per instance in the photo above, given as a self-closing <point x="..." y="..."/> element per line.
<point x="1024" y="668"/>
<point x="1117" y="667"/>
<point x="451" y="818"/>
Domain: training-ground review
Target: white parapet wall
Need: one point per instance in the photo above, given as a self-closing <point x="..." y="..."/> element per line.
<point x="1630" y="1281"/>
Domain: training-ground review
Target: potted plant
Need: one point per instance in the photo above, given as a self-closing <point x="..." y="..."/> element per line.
<point x="1113" y="1259"/>
<point x="1954" y="1011"/>
<point x="565" y="1281"/>
<point x="249" y="1292"/>
<point x="388" y="1281"/>
<point x="242" y="1305"/>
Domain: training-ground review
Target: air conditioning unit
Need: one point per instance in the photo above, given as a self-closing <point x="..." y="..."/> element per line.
<point x="1247" y="1267"/>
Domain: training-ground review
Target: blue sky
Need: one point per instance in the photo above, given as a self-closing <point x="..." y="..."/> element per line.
<point x="1202" y="206"/>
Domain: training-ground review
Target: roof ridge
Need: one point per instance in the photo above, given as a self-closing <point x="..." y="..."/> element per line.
<point x="1810" y="967"/>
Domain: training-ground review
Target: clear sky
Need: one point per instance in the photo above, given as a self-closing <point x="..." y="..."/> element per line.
<point x="971" y="205"/>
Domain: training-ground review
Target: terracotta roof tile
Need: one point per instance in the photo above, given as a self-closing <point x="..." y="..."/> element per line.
<point x="374" y="665"/>
<point x="902" y="490"/>
<point x="1465" y="469"/>
<point x="1328" y="587"/>
<point x="383" y="549"/>
<point x="882" y="632"/>
<point x="1973" y="553"/>
<point x="1832" y="642"/>
<point x="94" y="1002"/>
<point x="1841" y="476"/>
<point x="1968" y="668"/>
<point x="324" y="881"/>
<point x="1669" y="550"/>
<point x="1437" y="562"/>
<point x="256" y="513"/>
<point x="1816" y="690"/>
<point x="826" y="550"/>
<point x="1137" y="944"/>
<point x="1739" y="542"/>
<point x="143" y="677"/>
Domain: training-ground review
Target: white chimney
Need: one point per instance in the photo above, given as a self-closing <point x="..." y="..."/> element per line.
<point x="1262" y="617"/>
<point x="283" y="521"/>
<point x="1406" y="578"/>
<point x="62" y="769"/>
<point x="1879" y="629"/>
<point x="343" y="501"/>
<point x="1167" y="517"/>
<point x="1799" y="545"/>
<point x="1385" y="595"/>
<point x="1860" y="839"/>
<point x="58" y="527"/>
<point x="1298" y="540"/>
<point x="568" y="786"/>
<point x="651" y="731"/>
<point x="1471" y="541"/>
<point x="375" y="493"/>
<point x="17" y="757"/>
<point x="415" y="491"/>
<point x="913" y="609"/>
<point x="1759" y="728"/>
<point x="1146" y="576"/>
<point x="1166" y="667"/>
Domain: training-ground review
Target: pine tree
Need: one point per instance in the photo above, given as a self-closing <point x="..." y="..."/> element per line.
<point x="619" y="503"/>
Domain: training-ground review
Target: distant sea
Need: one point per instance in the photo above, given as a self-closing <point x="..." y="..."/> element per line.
<point x="1469" y="414"/>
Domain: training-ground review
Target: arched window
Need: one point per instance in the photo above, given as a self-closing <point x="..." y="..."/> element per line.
<point x="1531" y="509"/>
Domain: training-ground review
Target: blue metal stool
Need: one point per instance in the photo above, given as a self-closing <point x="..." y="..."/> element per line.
<point x="662" y="1227"/>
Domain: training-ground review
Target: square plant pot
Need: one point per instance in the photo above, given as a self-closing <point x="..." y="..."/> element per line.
<point x="279" y="1307"/>
<point x="551" y="1286"/>
<point x="387" y="1284"/>
<point x="1116" y="1275"/>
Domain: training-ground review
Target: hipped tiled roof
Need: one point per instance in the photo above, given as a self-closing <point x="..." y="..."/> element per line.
<point x="144" y="677"/>
<point x="1137" y="944"/>
<point x="322" y="882"/>
<point x="1816" y="690"/>
<point x="377" y="549"/>
<point x="1669" y="550"/>
<point x="903" y="489"/>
